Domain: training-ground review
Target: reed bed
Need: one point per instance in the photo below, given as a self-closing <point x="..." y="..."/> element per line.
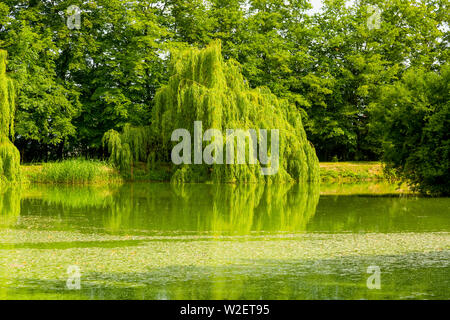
<point x="72" y="172"/>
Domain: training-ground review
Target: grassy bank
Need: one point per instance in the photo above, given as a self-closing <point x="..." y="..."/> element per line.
<point x="366" y="188"/>
<point x="352" y="171"/>
<point x="74" y="172"/>
<point x="79" y="171"/>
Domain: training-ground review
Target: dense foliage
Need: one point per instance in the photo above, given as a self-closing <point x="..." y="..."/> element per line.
<point x="73" y="85"/>
<point x="415" y="128"/>
<point x="9" y="155"/>
<point x="202" y="87"/>
<point x="130" y="146"/>
<point x="76" y="84"/>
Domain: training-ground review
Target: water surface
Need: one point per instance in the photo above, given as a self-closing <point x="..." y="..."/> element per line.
<point x="200" y="241"/>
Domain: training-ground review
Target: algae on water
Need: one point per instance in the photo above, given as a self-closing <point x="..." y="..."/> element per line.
<point x="9" y="155"/>
<point x="203" y="87"/>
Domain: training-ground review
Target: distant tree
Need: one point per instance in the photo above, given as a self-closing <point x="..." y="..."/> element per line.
<point x="76" y="84"/>
<point x="352" y="60"/>
<point x="413" y="118"/>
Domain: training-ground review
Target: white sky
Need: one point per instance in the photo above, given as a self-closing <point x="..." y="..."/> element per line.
<point x="317" y="4"/>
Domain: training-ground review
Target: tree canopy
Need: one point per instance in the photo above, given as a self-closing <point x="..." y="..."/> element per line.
<point x="75" y="84"/>
<point x="413" y="119"/>
<point x="203" y="87"/>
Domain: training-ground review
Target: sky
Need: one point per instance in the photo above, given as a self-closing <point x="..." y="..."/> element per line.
<point x="316" y="5"/>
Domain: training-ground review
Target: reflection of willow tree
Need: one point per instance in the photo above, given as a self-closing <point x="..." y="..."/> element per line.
<point x="255" y="207"/>
<point x="120" y="212"/>
<point x="99" y="202"/>
<point x="72" y="196"/>
<point x="218" y="208"/>
<point x="228" y="207"/>
<point x="290" y="210"/>
<point x="225" y="208"/>
<point x="9" y="206"/>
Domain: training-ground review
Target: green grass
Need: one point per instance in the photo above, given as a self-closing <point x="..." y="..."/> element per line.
<point x="352" y="171"/>
<point x="73" y="172"/>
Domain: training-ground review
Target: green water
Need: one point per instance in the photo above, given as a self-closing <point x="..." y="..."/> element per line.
<point x="161" y="241"/>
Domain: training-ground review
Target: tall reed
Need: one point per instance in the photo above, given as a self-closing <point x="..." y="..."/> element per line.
<point x="74" y="171"/>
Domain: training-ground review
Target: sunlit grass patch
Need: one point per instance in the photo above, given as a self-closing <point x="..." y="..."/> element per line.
<point x="352" y="171"/>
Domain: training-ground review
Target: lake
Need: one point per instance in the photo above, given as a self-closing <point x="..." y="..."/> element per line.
<point x="204" y="241"/>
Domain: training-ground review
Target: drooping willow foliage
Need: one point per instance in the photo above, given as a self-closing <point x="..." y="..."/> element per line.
<point x="9" y="155"/>
<point x="203" y="87"/>
<point x="132" y="145"/>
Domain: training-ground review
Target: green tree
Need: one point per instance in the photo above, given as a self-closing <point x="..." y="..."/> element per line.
<point x="75" y="84"/>
<point x="413" y="116"/>
<point x="203" y="87"/>
<point x="9" y="155"/>
<point x="46" y="103"/>
<point x="352" y="61"/>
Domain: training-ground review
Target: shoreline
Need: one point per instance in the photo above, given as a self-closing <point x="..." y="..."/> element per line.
<point x="330" y="172"/>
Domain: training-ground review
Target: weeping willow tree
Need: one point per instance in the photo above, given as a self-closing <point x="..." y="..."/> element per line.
<point x="203" y="87"/>
<point x="132" y="145"/>
<point x="9" y="155"/>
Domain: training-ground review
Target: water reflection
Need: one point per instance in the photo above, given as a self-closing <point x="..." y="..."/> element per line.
<point x="9" y="206"/>
<point x="218" y="209"/>
<point x="234" y="209"/>
<point x="172" y="260"/>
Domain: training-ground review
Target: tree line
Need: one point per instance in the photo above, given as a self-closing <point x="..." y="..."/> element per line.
<point x="346" y="68"/>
